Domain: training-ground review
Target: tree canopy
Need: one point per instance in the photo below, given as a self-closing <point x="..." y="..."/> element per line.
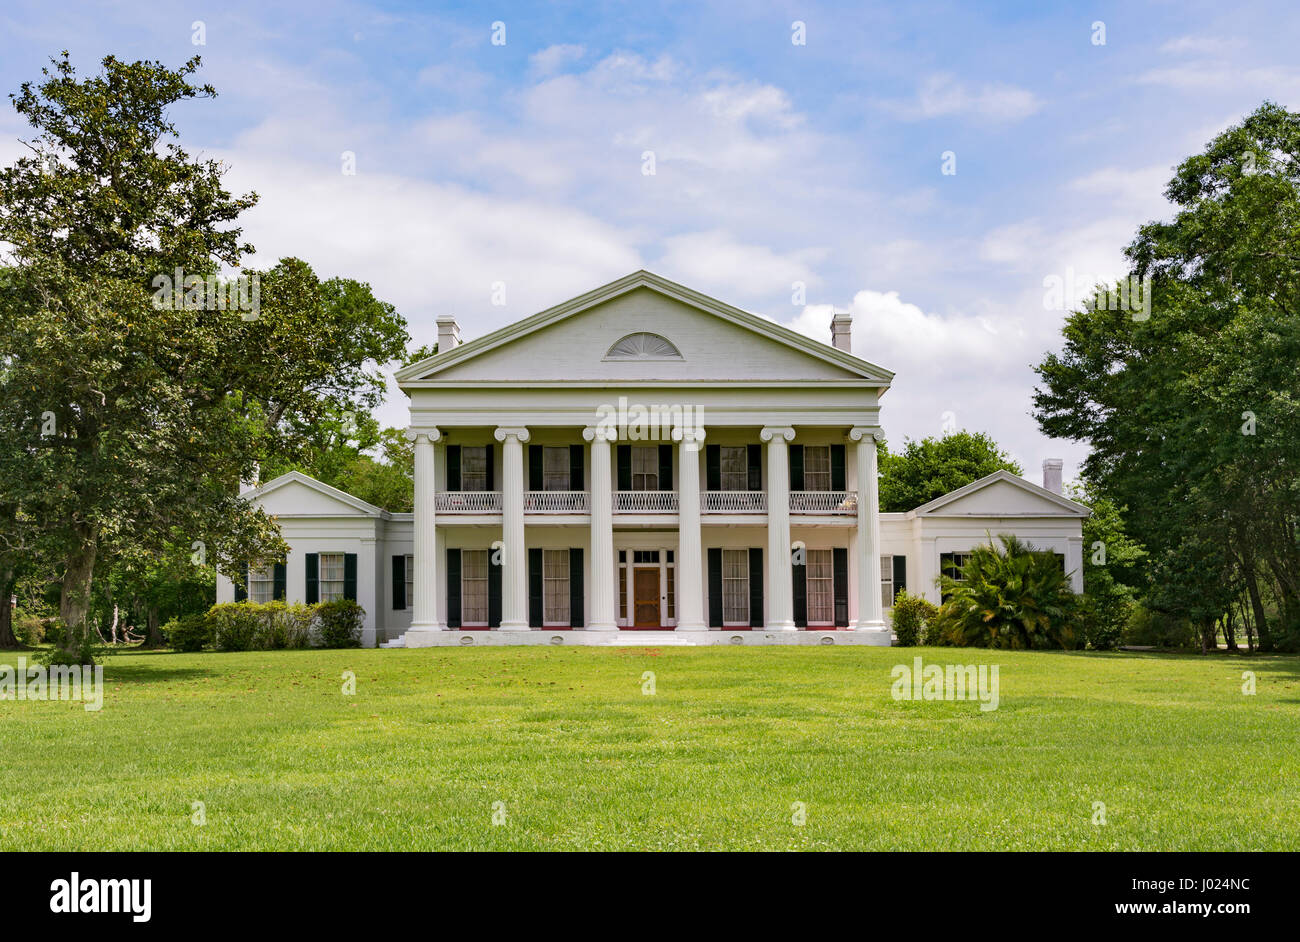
<point x="932" y="467"/>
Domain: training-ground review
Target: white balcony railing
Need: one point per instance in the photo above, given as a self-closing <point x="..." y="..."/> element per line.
<point x="468" y="502"/>
<point x="555" y="502"/>
<point x="645" y="502"/>
<point x="823" y="502"/>
<point x="734" y="502"/>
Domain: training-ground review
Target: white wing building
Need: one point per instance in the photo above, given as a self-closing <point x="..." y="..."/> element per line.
<point x="640" y="460"/>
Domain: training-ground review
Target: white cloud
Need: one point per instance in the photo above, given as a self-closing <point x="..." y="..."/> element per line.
<point x="943" y="94"/>
<point x="717" y="263"/>
<point x="553" y="59"/>
<point x="1200" y="45"/>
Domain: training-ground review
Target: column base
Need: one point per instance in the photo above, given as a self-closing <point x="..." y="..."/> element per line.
<point x="698" y="626"/>
<point x="600" y="626"/>
<point x="515" y="626"/>
<point x="782" y="626"/>
<point x="876" y="632"/>
<point x="423" y="636"/>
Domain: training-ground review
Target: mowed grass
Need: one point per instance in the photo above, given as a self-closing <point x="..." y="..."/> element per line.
<point x="564" y="748"/>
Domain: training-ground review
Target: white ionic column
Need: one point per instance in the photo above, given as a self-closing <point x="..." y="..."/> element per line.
<point x="424" y="607"/>
<point x="602" y="616"/>
<point x="514" y="558"/>
<point x="779" y="590"/>
<point x="870" y="615"/>
<point x="690" y="557"/>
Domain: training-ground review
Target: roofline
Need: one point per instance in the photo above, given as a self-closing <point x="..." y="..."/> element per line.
<point x="644" y="279"/>
<point x="320" y="486"/>
<point x="1076" y="509"/>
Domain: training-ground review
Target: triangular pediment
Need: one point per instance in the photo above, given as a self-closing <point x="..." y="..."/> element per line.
<point x="1001" y="494"/>
<point x="299" y="495"/>
<point x="642" y="327"/>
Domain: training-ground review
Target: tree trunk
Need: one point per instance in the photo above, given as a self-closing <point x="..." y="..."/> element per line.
<point x="1257" y="607"/>
<point x="153" y="634"/>
<point x="1229" y="630"/>
<point x="7" y="639"/>
<point x="74" y="599"/>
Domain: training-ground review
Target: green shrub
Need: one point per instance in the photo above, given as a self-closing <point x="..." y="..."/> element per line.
<point x="1011" y="596"/>
<point x="1156" y="629"/>
<point x="912" y="615"/>
<point x="939" y="629"/>
<point x="188" y="633"/>
<point x="281" y="625"/>
<point x="234" y="626"/>
<point x="339" y="623"/>
<point x="29" y="630"/>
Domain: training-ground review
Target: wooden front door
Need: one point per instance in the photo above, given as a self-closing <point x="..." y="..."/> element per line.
<point x="645" y="598"/>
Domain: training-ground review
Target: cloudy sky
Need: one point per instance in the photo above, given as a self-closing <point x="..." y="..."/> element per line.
<point x="507" y="143"/>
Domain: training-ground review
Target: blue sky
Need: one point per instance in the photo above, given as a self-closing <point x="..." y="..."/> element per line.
<point x="775" y="163"/>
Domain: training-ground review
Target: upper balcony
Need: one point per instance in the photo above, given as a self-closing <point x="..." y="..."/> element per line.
<point x="827" y="503"/>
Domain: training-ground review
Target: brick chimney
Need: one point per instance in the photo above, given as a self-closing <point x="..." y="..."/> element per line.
<point x="842" y="332"/>
<point x="448" y="333"/>
<point x="1052" y="475"/>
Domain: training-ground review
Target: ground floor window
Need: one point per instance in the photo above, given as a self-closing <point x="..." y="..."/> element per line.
<point x="735" y="587"/>
<point x="474" y="587"/>
<point x="410" y="581"/>
<point x="821" y="587"/>
<point x="555" y="581"/>
<point x="331" y="576"/>
<point x="261" y="584"/>
<point x="887" y="581"/>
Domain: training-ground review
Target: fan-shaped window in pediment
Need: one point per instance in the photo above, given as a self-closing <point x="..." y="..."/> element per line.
<point x="643" y="346"/>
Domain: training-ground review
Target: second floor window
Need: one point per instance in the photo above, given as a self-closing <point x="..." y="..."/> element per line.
<point x="473" y="468"/>
<point x="555" y="468"/>
<point x="645" y="468"/>
<point x="817" y="468"/>
<point x="734" y="461"/>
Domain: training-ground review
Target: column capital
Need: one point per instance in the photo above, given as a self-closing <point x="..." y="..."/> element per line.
<point x="863" y="432"/>
<point x="691" y="438"/>
<point x="518" y="433"/>
<point x="603" y="433"/>
<point x="770" y="432"/>
<point x="428" y="434"/>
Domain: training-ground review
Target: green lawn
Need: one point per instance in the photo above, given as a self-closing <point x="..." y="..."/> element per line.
<point x="582" y="759"/>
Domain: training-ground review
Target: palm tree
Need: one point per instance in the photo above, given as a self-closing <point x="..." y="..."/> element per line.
<point x="1010" y="596"/>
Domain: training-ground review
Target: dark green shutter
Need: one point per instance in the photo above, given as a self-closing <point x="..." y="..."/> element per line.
<point x="453" y="467"/>
<point x="494" y="591"/>
<point x="350" y="576"/>
<point x="900" y="574"/>
<point x="535" y="477"/>
<point x="755" y="588"/>
<point x="453" y="588"/>
<point x="796" y="467"/>
<point x="665" y="467"/>
<point x="624" y="453"/>
<point x="490" y="464"/>
<point x="754" y="454"/>
<point x="535" y="585"/>
<point x="280" y="579"/>
<point x="399" y="583"/>
<point x="713" y="467"/>
<point x="241" y="590"/>
<point x="575" y="468"/>
<point x="840" y="585"/>
<point x="576" y="616"/>
<point x="837" y="468"/>
<point x="313" y="578"/>
<point x="715" y="587"/>
<point x="801" y="593"/>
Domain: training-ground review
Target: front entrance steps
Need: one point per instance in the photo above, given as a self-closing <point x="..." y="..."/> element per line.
<point x="452" y="638"/>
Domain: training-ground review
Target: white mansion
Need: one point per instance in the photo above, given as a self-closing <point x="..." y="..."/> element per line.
<point x="642" y="458"/>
